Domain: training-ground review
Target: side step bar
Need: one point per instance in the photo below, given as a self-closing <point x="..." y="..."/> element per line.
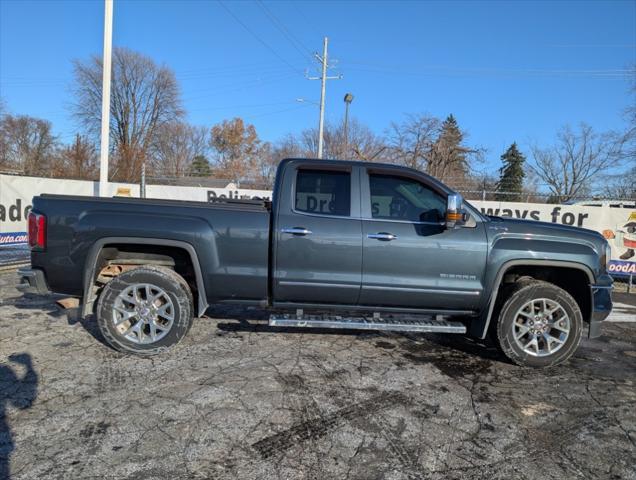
<point x="425" y="324"/>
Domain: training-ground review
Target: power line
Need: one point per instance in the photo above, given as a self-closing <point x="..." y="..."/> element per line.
<point x="442" y="70"/>
<point x="280" y="26"/>
<point x="247" y="71"/>
<point x="304" y="17"/>
<point x="237" y="87"/>
<point x="260" y="40"/>
<point x="232" y="67"/>
<point x="275" y="112"/>
<point x="230" y="107"/>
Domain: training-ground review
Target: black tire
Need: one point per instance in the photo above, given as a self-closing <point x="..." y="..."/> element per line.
<point x="518" y="295"/>
<point x="172" y="284"/>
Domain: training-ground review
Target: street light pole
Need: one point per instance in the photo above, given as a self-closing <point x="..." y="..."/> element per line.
<point x="348" y="98"/>
<point x="106" y="64"/>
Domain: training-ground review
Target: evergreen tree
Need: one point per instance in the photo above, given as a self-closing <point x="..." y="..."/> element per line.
<point x="449" y="158"/>
<point x="511" y="174"/>
<point x="200" y="167"/>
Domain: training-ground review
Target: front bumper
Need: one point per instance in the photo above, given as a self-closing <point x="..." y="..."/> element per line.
<point x="32" y="280"/>
<point x="601" y="304"/>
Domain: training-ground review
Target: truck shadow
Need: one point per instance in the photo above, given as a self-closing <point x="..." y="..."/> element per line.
<point x="237" y="319"/>
<point x="417" y="347"/>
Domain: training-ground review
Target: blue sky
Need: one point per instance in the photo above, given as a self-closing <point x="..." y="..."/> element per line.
<point x="508" y="71"/>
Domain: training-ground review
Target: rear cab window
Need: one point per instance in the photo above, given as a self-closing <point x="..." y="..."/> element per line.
<point x="323" y="192"/>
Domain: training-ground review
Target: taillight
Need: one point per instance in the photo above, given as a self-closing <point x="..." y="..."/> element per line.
<point x="37" y="230"/>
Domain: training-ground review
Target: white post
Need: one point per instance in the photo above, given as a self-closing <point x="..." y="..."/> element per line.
<point x="108" y="43"/>
<point x="321" y="124"/>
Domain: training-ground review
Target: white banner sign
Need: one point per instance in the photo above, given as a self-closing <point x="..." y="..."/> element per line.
<point x="17" y="192"/>
<point x="618" y="225"/>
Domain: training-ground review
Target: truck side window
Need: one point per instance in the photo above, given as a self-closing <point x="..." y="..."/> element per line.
<point x="402" y="198"/>
<point x="323" y="192"/>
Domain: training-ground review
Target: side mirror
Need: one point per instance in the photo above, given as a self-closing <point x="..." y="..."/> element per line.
<point x="455" y="215"/>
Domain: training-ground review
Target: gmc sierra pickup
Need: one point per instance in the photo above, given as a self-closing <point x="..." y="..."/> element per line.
<point x="338" y="236"/>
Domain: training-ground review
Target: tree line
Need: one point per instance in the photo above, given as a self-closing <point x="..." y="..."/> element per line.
<point x="148" y="128"/>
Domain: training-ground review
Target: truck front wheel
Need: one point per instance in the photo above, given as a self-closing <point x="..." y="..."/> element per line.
<point x="540" y="324"/>
<point x="145" y="311"/>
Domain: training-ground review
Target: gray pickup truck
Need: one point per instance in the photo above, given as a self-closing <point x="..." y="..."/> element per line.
<point x="360" y="241"/>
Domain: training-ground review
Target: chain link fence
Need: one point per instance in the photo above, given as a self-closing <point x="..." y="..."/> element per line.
<point x="527" y="197"/>
<point x="208" y="182"/>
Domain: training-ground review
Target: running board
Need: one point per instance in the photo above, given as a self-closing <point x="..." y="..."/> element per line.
<point x="426" y="324"/>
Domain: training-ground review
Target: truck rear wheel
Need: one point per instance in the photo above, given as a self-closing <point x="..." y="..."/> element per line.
<point x="145" y="311"/>
<point x="540" y="324"/>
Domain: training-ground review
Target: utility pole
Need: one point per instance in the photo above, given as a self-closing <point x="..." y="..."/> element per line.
<point x="323" y="79"/>
<point x="106" y="64"/>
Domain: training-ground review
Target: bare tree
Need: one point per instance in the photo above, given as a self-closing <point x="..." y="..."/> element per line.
<point x="270" y="155"/>
<point x="78" y="160"/>
<point x="412" y="141"/>
<point x="308" y="141"/>
<point x="570" y="167"/>
<point x="236" y="147"/>
<point x="361" y="143"/>
<point x="532" y="187"/>
<point x="267" y="160"/>
<point x="480" y="186"/>
<point x="144" y="97"/>
<point x="365" y="145"/>
<point x="26" y="144"/>
<point x="630" y="116"/>
<point x="622" y="186"/>
<point x="176" y="146"/>
<point x="290" y="146"/>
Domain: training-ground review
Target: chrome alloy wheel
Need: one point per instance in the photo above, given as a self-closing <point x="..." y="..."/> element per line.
<point x="541" y="327"/>
<point x="143" y="313"/>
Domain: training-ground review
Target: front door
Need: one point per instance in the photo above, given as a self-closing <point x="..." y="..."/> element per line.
<point x="318" y="255"/>
<point x="410" y="258"/>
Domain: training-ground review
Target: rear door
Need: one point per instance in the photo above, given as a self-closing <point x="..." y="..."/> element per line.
<point x="410" y="258"/>
<point x="318" y="252"/>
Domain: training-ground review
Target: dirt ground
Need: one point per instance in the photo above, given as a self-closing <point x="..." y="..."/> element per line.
<point x="238" y="399"/>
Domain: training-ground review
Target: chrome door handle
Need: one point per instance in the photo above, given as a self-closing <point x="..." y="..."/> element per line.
<point x="384" y="236"/>
<point x="296" y="231"/>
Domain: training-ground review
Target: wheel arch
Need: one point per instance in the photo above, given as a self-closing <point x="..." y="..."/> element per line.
<point x="479" y="327"/>
<point x="89" y="294"/>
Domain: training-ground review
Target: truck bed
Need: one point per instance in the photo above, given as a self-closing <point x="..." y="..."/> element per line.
<point x="229" y="237"/>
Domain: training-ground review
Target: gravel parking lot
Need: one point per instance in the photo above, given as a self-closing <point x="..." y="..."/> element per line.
<point x="238" y="399"/>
